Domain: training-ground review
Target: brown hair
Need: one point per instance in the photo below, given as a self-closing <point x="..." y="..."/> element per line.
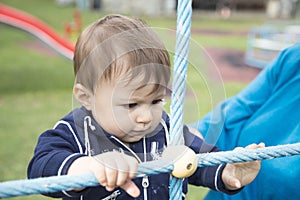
<point x="116" y="44"/>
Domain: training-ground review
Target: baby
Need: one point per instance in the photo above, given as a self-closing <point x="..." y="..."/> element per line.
<point x="122" y="72"/>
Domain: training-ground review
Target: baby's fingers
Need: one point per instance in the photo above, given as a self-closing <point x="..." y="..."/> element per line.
<point x="123" y="167"/>
<point x="126" y="168"/>
<point x="98" y="168"/>
<point x="116" y="169"/>
<point x="233" y="183"/>
<point x="131" y="188"/>
<point x="112" y="175"/>
<point x="133" y="166"/>
<point x="255" y="146"/>
<point x="106" y="171"/>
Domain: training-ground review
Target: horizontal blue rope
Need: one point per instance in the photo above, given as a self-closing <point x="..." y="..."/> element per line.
<point x="67" y="182"/>
<point x="247" y="155"/>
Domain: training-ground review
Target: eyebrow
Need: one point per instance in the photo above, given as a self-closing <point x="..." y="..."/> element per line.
<point x="155" y="94"/>
<point x="140" y="99"/>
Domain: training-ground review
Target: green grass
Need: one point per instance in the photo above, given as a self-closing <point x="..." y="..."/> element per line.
<point x="26" y="116"/>
<point x="35" y="89"/>
<point x="23" y="117"/>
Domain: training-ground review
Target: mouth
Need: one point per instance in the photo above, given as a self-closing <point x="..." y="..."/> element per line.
<point x="140" y="132"/>
<point x="137" y="132"/>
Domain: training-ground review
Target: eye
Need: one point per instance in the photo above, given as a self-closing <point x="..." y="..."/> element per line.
<point x="131" y="105"/>
<point x="157" y="101"/>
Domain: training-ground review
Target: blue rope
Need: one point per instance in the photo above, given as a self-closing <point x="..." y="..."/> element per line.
<point x="184" y="15"/>
<point x="67" y="182"/>
<point x="247" y="155"/>
<point x="60" y="183"/>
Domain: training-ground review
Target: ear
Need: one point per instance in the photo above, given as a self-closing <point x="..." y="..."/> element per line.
<point x="83" y="95"/>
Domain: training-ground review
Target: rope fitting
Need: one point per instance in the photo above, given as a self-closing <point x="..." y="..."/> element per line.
<point x="183" y="158"/>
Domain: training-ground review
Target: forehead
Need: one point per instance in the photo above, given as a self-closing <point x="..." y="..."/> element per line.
<point x="137" y="91"/>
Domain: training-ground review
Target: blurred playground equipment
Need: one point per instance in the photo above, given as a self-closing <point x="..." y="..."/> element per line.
<point x="282" y="9"/>
<point x="37" y="28"/>
<point x="275" y="9"/>
<point x="73" y="29"/>
<point x="264" y="43"/>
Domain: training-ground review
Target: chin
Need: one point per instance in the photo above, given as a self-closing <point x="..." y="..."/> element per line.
<point x="133" y="139"/>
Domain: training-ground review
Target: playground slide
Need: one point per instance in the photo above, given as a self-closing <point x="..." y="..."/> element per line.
<point x="42" y="31"/>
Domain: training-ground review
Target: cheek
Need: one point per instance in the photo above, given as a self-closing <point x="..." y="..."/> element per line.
<point x="157" y="113"/>
<point x="121" y="114"/>
<point x="121" y="119"/>
<point x="103" y="114"/>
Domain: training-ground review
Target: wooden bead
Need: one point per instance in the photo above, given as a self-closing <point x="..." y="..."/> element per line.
<point x="184" y="160"/>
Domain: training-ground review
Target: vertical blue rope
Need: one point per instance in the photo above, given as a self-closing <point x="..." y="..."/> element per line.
<point x="184" y="15"/>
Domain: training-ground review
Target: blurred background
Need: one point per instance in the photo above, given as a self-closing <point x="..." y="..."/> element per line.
<point x="232" y="41"/>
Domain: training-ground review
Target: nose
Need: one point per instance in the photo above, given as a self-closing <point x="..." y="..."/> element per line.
<point x="144" y="115"/>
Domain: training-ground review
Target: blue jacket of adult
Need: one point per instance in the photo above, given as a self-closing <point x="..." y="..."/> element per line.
<point x="267" y="110"/>
<point x="78" y="134"/>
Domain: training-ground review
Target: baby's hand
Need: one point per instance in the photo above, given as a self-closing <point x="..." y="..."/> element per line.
<point x="238" y="175"/>
<point x="112" y="169"/>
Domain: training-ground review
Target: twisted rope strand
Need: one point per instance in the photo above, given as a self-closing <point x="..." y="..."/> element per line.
<point x="247" y="155"/>
<point x="46" y="185"/>
<point x="67" y="182"/>
<point x="184" y="15"/>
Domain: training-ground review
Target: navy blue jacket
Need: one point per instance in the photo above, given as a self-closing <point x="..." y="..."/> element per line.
<point x="78" y="134"/>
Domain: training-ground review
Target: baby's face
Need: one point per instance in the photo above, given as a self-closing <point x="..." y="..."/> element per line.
<point x="128" y="111"/>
